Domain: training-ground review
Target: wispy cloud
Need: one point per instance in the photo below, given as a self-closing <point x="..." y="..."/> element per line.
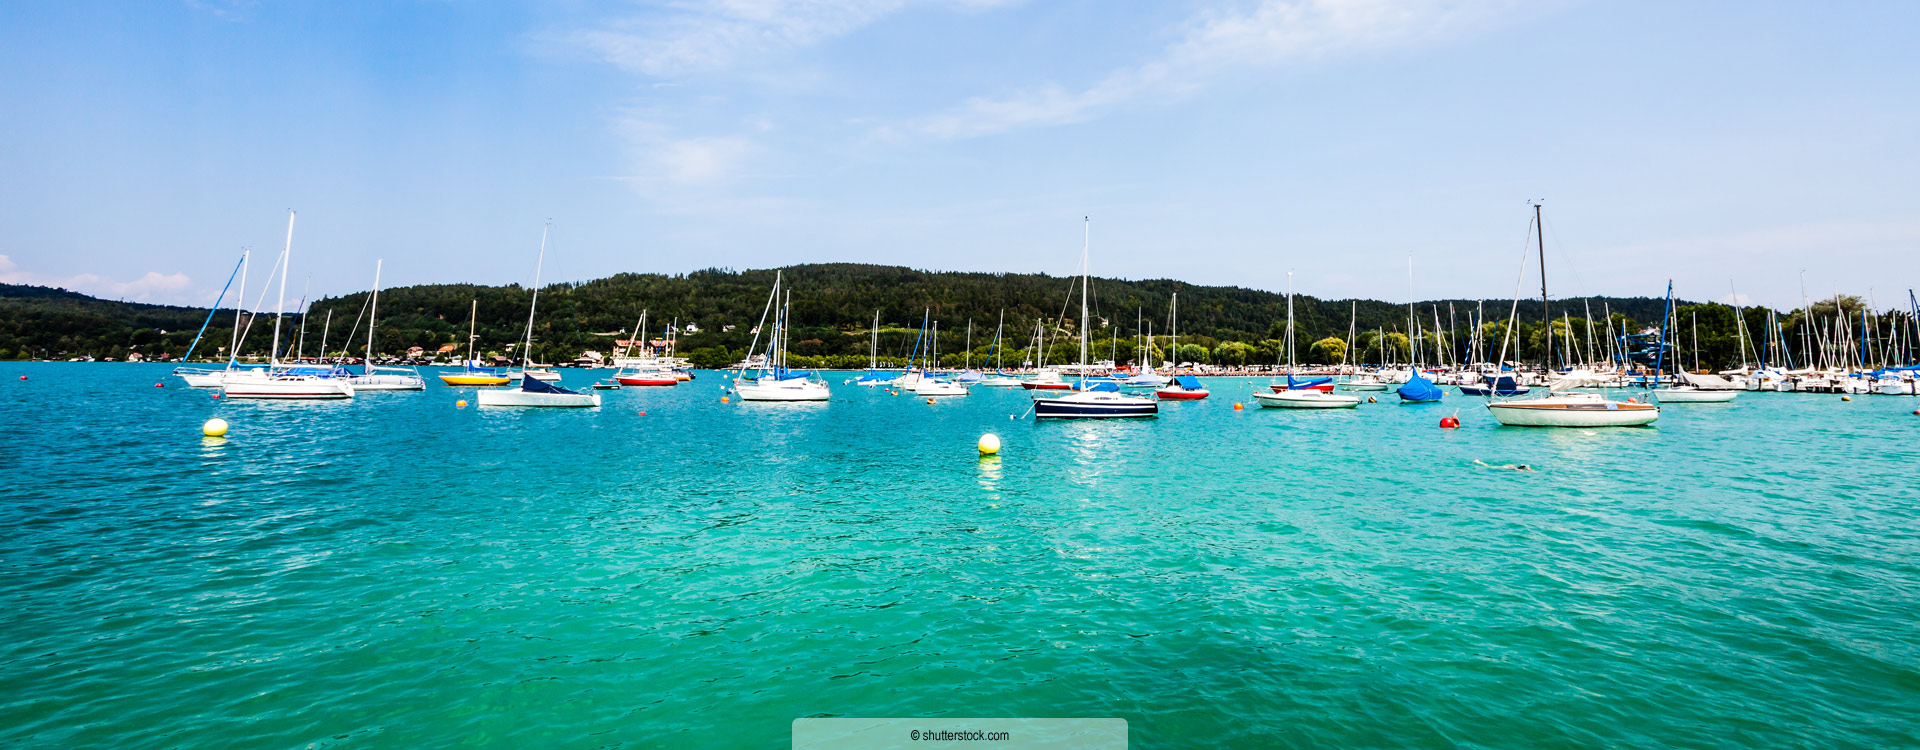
<point x="686" y="38"/>
<point x="1267" y="34"/>
<point x="153" y="287"/>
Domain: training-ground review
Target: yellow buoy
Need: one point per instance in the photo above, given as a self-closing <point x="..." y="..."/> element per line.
<point x="929" y="401"/>
<point x="215" y="427"/>
<point x="1846" y="398"/>
<point x="462" y="403"/>
<point x="989" y="444"/>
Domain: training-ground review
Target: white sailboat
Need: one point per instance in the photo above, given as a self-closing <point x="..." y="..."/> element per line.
<point x="527" y="367"/>
<point x="1563" y="408"/>
<point x="1300" y="398"/>
<point x="374" y="377"/>
<point x="286" y="383"/>
<point x="774" y="381"/>
<point x="930" y="385"/>
<point x="999" y="378"/>
<point x="536" y="390"/>
<point x="1101" y="400"/>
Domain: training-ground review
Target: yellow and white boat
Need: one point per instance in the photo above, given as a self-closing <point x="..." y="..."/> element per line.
<point x="473" y="374"/>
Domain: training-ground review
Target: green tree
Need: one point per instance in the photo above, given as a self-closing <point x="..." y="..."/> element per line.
<point x="1193" y="353"/>
<point x="1330" y="350"/>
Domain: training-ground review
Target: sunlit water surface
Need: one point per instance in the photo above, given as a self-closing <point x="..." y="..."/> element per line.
<point x="395" y="571"/>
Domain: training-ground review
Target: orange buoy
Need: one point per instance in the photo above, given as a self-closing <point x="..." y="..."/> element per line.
<point x="462" y="403"/>
<point x="929" y="401"/>
<point x="724" y="399"/>
<point x="1633" y="400"/>
<point x="1449" y="423"/>
<point x="1236" y="406"/>
<point x="1846" y="398"/>
<point x="1372" y="400"/>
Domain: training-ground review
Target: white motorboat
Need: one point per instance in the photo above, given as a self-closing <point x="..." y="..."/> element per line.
<point x="999" y="381"/>
<point x="533" y="392"/>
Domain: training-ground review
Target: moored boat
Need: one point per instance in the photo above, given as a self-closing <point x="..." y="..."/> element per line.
<point x="1183" y="388"/>
<point x="534" y="392"/>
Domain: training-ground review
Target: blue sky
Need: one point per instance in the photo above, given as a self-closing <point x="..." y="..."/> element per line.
<point x="1219" y="142"/>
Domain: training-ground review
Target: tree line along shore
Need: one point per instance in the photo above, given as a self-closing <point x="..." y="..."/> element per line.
<point x="834" y="305"/>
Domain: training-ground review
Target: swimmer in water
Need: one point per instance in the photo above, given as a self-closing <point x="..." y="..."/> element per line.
<point x="1514" y="467"/>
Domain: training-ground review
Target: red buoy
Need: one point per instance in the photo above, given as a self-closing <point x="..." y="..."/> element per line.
<point x="643" y="413"/>
<point x="23" y="377"/>
<point x="1449" y="422"/>
<point x="159" y="385"/>
<point x="216" y="395"/>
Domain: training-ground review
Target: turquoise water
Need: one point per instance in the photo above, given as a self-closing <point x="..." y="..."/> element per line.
<point x="398" y="572"/>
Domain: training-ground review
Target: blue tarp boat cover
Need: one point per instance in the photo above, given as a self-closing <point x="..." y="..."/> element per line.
<point x="1420" y="389"/>
<point x="1091" y="384"/>
<point x="1296" y="384"/>
<point x="536" y="385"/>
<point x="878" y="376"/>
<point x="1188" y="382"/>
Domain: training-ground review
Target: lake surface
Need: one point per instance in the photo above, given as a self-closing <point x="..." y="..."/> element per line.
<point x="395" y="571"/>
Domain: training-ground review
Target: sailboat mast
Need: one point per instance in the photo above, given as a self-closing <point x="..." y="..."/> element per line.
<point x="374" y="315"/>
<point x="280" y="306"/>
<point x="998" y="331"/>
<point x="1085" y="243"/>
<point x="526" y="348"/>
<point x="1290" y="365"/>
<point x="472" y="317"/>
<point x="1546" y="315"/>
<point x="1175" y="368"/>
<point x="233" y="349"/>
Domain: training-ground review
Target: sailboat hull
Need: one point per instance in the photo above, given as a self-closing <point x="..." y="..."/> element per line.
<point x="388" y="382"/>
<point x="529" y="398"/>
<point x="482" y="380"/>
<point x="783" y="391"/>
<point x="288" y="389"/>
<point x="647" y="381"/>
<point x="1080" y="407"/>
<point x="1683" y="396"/>
<point x="1305" y="398"/>
<point x="1557" y="413"/>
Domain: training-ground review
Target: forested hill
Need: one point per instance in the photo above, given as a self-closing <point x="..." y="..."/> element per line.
<point x="833" y="303"/>
<point x="834" y="306"/>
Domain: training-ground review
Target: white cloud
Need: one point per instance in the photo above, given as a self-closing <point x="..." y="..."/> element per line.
<point x="1271" y="33"/>
<point x="153" y="287"/>
<point x="688" y="38"/>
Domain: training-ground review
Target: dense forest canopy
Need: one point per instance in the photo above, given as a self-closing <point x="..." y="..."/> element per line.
<point x="834" y="306"/>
